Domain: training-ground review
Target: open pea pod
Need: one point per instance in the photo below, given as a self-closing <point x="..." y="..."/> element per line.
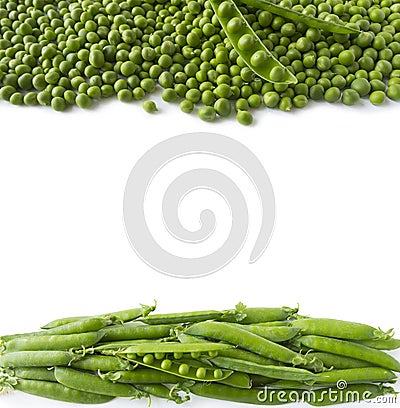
<point x="248" y="45"/>
<point x="185" y="368"/>
<point x="293" y="15"/>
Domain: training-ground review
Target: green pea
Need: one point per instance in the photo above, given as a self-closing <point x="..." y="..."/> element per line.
<point x="183" y="369"/>
<point x="58" y="104"/>
<point x="207" y="113"/>
<point x="83" y="101"/>
<point x="169" y="95"/>
<point x="332" y="94"/>
<point x="285" y="104"/>
<point x="362" y="86"/>
<point x="300" y="101"/>
<point x="393" y="92"/>
<point x="187" y="106"/>
<point x="44" y="99"/>
<point x="17" y="98"/>
<point x="201" y="372"/>
<point x="124" y="95"/>
<point x="148" y="359"/>
<point x="350" y="97"/>
<point x="223" y="107"/>
<point x="218" y="373"/>
<point x="166" y="364"/>
<point x="271" y="99"/>
<point x="377" y="98"/>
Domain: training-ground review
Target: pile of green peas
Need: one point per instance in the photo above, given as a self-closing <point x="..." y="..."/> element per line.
<point x="63" y="53"/>
<point x="231" y="355"/>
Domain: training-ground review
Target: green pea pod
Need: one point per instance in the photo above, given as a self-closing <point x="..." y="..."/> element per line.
<point x="238" y="380"/>
<point x="340" y="329"/>
<point x="59" y="392"/>
<point x="36" y="359"/>
<point x="53" y="342"/>
<point x="338" y="362"/>
<point x="35" y="373"/>
<point x="142" y="376"/>
<point x="174" y="347"/>
<point x="248" y="45"/>
<point x="355" y="375"/>
<point x="90" y="383"/>
<point x="381" y="344"/>
<point x="102" y="363"/>
<point x="122" y="316"/>
<point x="277" y="334"/>
<point x="185" y="369"/>
<point x="133" y="331"/>
<point x="162" y="391"/>
<point x="293" y="15"/>
<point x="350" y="349"/>
<point x="278" y="372"/>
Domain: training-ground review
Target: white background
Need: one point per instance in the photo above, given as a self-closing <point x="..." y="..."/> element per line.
<point x="63" y="248"/>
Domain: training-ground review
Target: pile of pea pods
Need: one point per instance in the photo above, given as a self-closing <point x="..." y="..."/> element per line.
<point x="219" y="58"/>
<point x="262" y="355"/>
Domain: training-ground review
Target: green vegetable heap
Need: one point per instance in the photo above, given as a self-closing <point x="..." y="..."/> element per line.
<point x="217" y="56"/>
<point x="253" y="355"/>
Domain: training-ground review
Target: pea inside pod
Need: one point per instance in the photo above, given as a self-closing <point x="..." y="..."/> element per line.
<point x="248" y="45"/>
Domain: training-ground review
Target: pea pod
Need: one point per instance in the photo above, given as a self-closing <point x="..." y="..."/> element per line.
<point x="334" y="360"/>
<point x="381" y="344"/>
<point x="53" y="342"/>
<point x="276" y="334"/>
<point x="102" y="363"/>
<point x="35" y="373"/>
<point x="355" y="375"/>
<point x="278" y="372"/>
<point x="183" y="369"/>
<point x="89" y="383"/>
<point x="185" y="317"/>
<point x="350" y="349"/>
<point x="162" y="391"/>
<point x="261" y="315"/>
<point x="247" y="44"/>
<point x="132" y="331"/>
<point x="36" y="359"/>
<point x="248" y="341"/>
<point x="174" y="347"/>
<point x="59" y="392"/>
<point x="238" y="380"/>
<point x="142" y="376"/>
<point x="122" y="316"/>
<point x="293" y="15"/>
<point x="339" y="329"/>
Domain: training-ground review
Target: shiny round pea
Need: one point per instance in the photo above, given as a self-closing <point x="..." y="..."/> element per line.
<point x="124" y="95"/>
<point x="377" y="98"/>
<point x="300" y="101"/>
<point x="350" y="97"/>
<point x="83" y="101"/>
<point x="30" y="99"/>
<point x="245" y="118"/>
<point x="148" y="359"/>
<point x="393" y="92"/>
<point x="169" y="95"/>
<point x="58" y="104"/>
<point x="223" y="107"/>
<point x="166" y="364"/>
<point x="207" y="113"/>
<point x="187" y="106"/>
<point x="218" y="374"/>
<point x="362" y="86"/>
<point x="201" y="373"/>
<point x="183" y="369"/>
<point x="332" y="94"/>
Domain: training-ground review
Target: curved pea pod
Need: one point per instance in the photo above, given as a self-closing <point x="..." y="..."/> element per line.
<point x="53" y="342"/>
<point x="352" y="394"/>
<point x="257" y="315"/>
<point x="122" y="316"/>
<point x="249" y="341"/>
<point x="238" y="380"/>
<point x="381" y="344"/>
<point x="35" y="373"/>
<point x="293" y="15"/>
<point x="81" y="326"/>
<point x="252" y="396"/>
<point x="278" y="372"/>
<point x="90" y="383"/>
<point x="185" y="317"/>
<point x="277" y="334"/>
<point x="356" y="375"/>
<point x="102" y="363"/>
<point x="142" y="376"/>
<point x="261" y="381"/>
<point x="36" y="359"/>
<point x="232" y="352"/>
<point x="174" y="347"/>
<point x="185" y="369"/>
<point x="339" y="329"/>
<point x="59" y="392"/>
<point x="333" y="360"/>
<point x="351" y="349"/>
<point x="132" y="331"/>
<point x="248" y="45"/>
